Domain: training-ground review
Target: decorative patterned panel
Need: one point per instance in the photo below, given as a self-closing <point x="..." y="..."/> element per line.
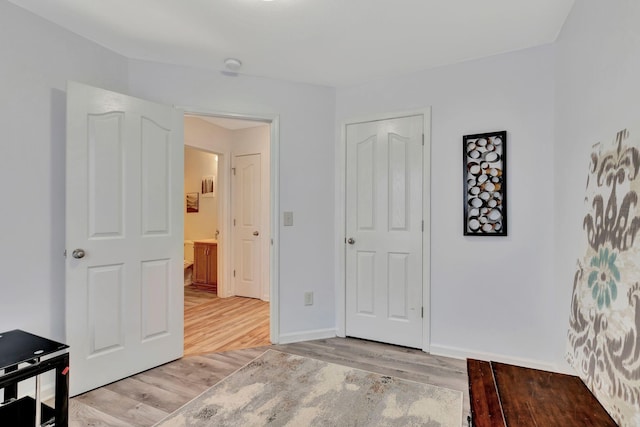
<point x="104" y="302"/>
<point x="604" y="325"/>
<point x="156" y="194"/>
<point x="155" y="288"/>
<point x="365" y="282"/>
<point x="398" y="182"/>
<point x="366" y="184"/>
<point x="105" y="155"/>
<point x="398" y="290"/>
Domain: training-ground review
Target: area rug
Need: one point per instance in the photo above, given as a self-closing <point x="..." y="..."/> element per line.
<point x="281" y="389"/>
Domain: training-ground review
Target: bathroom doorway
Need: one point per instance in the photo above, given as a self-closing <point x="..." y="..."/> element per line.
<point x="216" y="317"/>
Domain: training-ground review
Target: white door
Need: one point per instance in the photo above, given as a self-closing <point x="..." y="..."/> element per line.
<point x="247" y="233"/>
<point x="124" y="235"/>
<point x="384" y="230"/>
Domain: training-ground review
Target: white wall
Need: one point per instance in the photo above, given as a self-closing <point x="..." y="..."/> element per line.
<point x="307" y="123"/>
<point x="204" y="223"/>
<point x="503" y="296"/>
<point x="490" y="295"/>
<point x="36" y="60"/>
<point x="598" y="93"/>
<point x="205" y="138"/>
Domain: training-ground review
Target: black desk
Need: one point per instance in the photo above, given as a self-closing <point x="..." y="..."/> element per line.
<point x="22" y="348"/>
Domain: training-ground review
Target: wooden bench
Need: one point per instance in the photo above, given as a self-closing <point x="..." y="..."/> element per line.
<point x="510" y="396"/>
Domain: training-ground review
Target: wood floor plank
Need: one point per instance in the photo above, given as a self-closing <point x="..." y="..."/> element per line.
<point x="137" y="390"/>
<point x="122" y="407"/>
<point x="173" y="384"/>
<point x="83" y="415"/>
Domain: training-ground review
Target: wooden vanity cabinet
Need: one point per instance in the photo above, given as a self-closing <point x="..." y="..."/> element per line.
<point x="205" y="266"/>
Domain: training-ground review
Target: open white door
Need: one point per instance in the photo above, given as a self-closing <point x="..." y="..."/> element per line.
<point x="384" y="226"/>
<point x="246" y="212"/>
<point x="124" y="235"/>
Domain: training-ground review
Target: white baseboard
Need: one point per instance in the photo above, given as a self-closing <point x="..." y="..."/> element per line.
<point x="317" y="334"/>
<point x="463" y="353"/>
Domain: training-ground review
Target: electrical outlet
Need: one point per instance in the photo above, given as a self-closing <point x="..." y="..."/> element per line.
<point x="308" y="298"/>
<point x="288" y="219"/>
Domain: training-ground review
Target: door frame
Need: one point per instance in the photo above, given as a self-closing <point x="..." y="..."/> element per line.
<point x="274" y="248"/>
<point x="341" y="220"/>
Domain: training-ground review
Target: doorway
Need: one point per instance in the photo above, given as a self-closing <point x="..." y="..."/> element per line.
<point x="219" y="313"/>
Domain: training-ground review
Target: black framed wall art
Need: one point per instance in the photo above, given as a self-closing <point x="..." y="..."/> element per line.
<point x="485" y="184"/>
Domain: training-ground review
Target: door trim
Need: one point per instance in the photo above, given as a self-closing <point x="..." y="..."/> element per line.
<point x="340" y="214"/>
<point x="274" y="249"/>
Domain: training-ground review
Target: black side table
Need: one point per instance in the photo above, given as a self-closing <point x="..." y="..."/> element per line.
<point x="22" y="348"/>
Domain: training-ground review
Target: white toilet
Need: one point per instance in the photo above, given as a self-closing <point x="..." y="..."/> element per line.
<point x="188" y="262"/>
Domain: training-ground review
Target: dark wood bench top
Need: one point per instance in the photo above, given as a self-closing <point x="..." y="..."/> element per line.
<point x="485" y="403"/>
<point x="531" y="397"/>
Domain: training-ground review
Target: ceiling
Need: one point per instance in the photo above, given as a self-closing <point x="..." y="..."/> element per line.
<point x="327" y="42"/>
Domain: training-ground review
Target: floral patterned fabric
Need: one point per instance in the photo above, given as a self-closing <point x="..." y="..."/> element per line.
<point x="603" y="341"/>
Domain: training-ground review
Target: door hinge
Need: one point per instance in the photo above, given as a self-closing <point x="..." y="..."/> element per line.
<point x="423" y="225"/>
<point x="422" y="312"/>
<point x="234" y="222"/>
<point x="65" y="253"/>
<point x="234" y="273"/>
<point x="233" y="170"/>
<point x="423" y="139"/>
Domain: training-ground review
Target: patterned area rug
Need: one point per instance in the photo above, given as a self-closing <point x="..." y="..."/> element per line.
<point x="280" y="389"/>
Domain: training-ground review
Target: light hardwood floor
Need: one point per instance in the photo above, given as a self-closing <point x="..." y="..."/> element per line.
<point x="148" y="397"/>
<point x="213" y="324"/>
<point x="221" y="336"/>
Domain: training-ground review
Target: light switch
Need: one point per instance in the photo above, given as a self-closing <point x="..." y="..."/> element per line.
<point x="288" y="219"/>
<point x="308" y="298"/>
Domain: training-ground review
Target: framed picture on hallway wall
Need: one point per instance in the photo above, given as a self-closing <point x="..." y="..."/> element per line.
<point x="208" y="186"/>
<point x="485" y="184"/>
<point x="193" y="202"/>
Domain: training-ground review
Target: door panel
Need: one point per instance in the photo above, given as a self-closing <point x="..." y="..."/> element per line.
<point x="156" y="184"/>
<point x="156" y="293"/>
<point x="124" y="298"/>
<point x="104" y="304"/>
<point x="384" y="219"/>
<point x="105" y="157"/>
<point x="247" y="233"/>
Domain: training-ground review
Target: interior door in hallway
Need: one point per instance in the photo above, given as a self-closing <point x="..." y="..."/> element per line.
<point x="384" y="230"/>
<point x="124" y="235"/>
<point x="247" y="231"/>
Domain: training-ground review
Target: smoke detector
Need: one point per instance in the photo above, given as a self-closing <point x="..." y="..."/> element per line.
<point x="232" y="64"/>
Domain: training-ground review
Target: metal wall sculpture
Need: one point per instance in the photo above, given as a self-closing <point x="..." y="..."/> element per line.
<point x="485" y="184"/>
